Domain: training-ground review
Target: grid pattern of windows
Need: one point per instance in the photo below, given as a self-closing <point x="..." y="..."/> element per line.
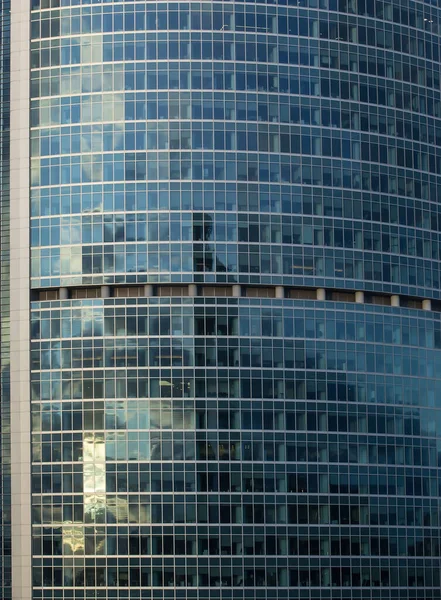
<point x="233" y="444"/>
<point x="5" y="451"/>
<point x="238" y="141"/>
<point x="261" y="446"/>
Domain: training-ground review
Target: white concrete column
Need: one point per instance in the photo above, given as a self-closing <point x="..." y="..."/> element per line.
<point x="192" y="290"/>
<point x="321" y="294"/>
<point x="359" y="297"/>
<point x="20" y="304"/>
<point x="64" y="293"/>
<point x="427" y="304"/>
<point x="280" y="389"/>
<point x="148" y="290"/>
<point x="280" y="291"/>
<point x="105" y="291"/>
<point x="395" y="300"/>
<point x="237" y="291"/>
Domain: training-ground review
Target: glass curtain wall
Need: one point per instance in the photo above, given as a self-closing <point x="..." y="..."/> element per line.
<point x="5" y="463"/>
<point x="236" y="327"/>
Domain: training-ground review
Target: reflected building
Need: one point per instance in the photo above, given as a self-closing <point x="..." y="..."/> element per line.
<point x="5" y="408"/>
<point x="234" y="346"/>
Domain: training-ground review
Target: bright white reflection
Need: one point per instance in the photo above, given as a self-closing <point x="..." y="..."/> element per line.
<point x="73" y="540"/>
<point x="125" y="512"/>
<point x="93" y="447"/>
<point x="94" y="468"/>
<point x="94" y="508"/>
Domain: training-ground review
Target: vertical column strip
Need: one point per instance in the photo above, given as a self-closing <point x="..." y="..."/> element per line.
<point x="20" y="380"/>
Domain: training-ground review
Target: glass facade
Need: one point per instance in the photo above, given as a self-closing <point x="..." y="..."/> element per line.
<point x="236" y="315"/>
<point x="5" y="451"/>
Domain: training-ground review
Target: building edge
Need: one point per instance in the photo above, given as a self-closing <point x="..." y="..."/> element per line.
<point x="19" y="311"/>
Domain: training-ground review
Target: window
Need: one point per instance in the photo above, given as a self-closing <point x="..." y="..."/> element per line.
<point x="260" y="292"/>
<point x="341" y="296"/>
<point x="48" y="295"/>
<point x="216" y="290"/>
<point x="377" y="299"/>
<point x="79" y="293"/>
<point x="128" y="292"/>
<point x="302" y="294"/>
<point x="172" y="290"/>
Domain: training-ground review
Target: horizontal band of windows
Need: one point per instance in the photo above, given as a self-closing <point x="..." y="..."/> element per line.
<point x="411" y="98"/>
<point x="228" y="167"/>
<point x="254" y="52"/>
<point x="424" y="17"/>
<point x="291" y="21"/>
<point x="193" y="290"/>
<point x="274" y="108"/>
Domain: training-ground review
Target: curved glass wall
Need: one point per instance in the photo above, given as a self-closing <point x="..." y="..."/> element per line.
<point x="5" y="380"/>
<point x="244" y="447"/>
<point x="220" y="447"/>
<point x="238" y="141"/>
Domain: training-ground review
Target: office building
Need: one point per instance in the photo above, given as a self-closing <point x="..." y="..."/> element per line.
<point x="225" y="300"/>
<point x="5" y="470"/>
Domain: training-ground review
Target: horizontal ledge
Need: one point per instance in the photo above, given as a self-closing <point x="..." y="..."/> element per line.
<point x="232" y="291"/>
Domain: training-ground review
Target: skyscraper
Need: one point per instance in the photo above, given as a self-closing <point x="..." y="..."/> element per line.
<point x="225" y="300"/>
<point x="5" y="470"/>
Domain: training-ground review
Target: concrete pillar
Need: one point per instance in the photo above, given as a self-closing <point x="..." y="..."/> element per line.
<point x="192" y="290"/>
<point x="64" y="293"/>
<point x="280" y="389"/>
<point x="237" y="291"/>
<point x="395" y="300"/>
<point x="19" y="425"/>
<point x="359" y="297"/>
<point x="148" y="290"/>
<point x="321" y="294"/>
<point x="280" y="291"/>
<point x="105" y="291"/>
<point x="427" y="304"/>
